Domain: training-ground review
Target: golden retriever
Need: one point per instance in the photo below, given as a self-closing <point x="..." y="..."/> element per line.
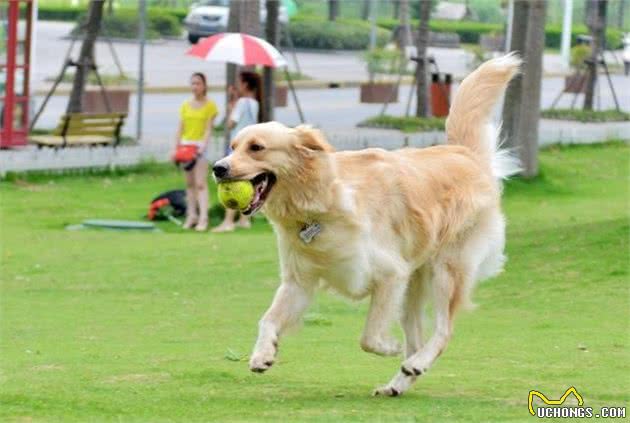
<point x="402" y="227"/>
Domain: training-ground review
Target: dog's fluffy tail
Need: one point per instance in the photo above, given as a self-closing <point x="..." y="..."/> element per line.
<point x="469" y="120"/>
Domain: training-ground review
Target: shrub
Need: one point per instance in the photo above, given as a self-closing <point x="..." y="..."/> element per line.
<point x="342" y="34"/>
<point x="553" y="36"/>
<point x="124" y="24"/>
<point x="405" y="124"/>
<point x="579" y="54"/>
<point x="59" y="13"/>
<point x="164" y="23"/>
<point x="384" y="61"/>
<point x="611" y="115"/>
<point x="470" y="32"/>
<point x="70" y="13"/>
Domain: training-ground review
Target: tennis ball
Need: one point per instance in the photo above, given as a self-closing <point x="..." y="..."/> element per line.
<point x="236" y="194"/>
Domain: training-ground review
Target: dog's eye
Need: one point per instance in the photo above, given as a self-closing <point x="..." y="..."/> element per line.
<point x="256" y="147"/>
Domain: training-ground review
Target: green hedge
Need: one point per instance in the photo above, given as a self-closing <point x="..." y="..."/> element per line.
<point x="404" y="124"/>
<point x="124" y="24"/>
<point x="68" y="13"/>
<point x="470" y="32"/>
<point x="343" y="34"/>
<point x="58" y="13"/>
<point x="611" y="115"/>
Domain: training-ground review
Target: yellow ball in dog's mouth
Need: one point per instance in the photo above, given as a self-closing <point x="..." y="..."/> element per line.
<point x="236" y="195"/>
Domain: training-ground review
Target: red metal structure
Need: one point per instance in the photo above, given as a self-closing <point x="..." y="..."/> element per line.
<point x="15" y="98"/>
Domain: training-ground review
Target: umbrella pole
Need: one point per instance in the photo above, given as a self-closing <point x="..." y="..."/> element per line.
<point x="293" y="94"/>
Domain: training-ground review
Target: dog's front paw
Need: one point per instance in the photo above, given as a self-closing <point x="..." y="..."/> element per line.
<point x="387" y="391"/>
<point x="262" y="360"/>
<point x="386" y="347"/>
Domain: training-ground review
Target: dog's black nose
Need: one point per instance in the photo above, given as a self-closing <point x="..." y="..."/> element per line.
<point x="220" y="170"/>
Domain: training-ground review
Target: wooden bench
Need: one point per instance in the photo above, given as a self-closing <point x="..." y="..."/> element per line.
<point x="84" y="129"/>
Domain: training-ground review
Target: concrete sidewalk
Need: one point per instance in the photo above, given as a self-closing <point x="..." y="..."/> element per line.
<point x="31" y="158"/>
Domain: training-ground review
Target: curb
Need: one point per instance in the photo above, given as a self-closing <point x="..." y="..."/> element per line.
<point x="64" y="89"/>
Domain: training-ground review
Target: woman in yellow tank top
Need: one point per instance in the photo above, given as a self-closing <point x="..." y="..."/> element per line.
<point x="195" y="127"/>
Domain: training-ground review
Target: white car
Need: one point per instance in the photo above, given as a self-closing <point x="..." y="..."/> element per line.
<point x="211" y="16"/>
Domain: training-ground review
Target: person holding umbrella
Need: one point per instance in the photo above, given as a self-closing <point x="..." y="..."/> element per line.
<point x="244" y="109"/>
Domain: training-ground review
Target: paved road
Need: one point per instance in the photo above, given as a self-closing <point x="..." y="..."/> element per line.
<point x="167" y="65"/>
<point x="330" y="109"/>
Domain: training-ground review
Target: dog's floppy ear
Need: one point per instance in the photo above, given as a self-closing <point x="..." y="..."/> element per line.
<point x="310" y="139"/>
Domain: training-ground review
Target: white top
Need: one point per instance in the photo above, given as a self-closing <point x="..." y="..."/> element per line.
<point x="626" y="47"/>
<point x="244" y="113"/>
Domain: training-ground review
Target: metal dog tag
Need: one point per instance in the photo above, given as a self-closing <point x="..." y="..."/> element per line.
<point x="309" y="232"/>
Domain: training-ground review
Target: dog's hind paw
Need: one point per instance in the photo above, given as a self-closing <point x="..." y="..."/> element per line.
<point x="389" y="347"/>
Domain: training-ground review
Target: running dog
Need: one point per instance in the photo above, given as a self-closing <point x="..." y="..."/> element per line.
<point x="401" y="227"/>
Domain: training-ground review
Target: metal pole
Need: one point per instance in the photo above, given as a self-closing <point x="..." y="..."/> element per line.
<point x="510" y="23"/>
<point x="373" y="24"/>
<point x="292" y="89"/>
<point x="142" y="15"/>
<point x="9" y="89"/>
<point x="31" y="61"/>
<point x="565" y="48"/>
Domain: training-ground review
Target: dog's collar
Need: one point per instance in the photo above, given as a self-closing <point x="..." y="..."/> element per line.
<point x="309" y="231"/>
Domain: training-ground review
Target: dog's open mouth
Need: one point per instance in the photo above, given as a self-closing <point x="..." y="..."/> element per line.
<point x="262" y="186"/>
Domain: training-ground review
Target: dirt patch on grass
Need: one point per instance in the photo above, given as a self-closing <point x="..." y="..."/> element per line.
<point x="47" y="367"/>
<point x="139" y="378"/>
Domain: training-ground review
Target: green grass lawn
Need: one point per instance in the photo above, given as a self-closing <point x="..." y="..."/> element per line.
<point x="111" y="326"/>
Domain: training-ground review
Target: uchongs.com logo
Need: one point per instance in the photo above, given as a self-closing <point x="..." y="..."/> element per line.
<point x="557" y="409"/>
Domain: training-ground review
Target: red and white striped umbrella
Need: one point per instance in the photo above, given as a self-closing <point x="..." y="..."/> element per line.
<point x="237" y="48"/>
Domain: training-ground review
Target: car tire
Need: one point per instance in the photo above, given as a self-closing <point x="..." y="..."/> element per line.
<point x="193" y="39"/>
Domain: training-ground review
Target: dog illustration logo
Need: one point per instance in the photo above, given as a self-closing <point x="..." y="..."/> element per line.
<point x="547" y="401"/>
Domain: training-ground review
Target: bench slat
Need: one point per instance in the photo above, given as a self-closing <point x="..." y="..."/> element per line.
<point x="52" y="140"/>
<point x="83" y="128"/>
<point x="75" y="126"/>
<point x="90" y="131"/>
<point x="94" y="115"/>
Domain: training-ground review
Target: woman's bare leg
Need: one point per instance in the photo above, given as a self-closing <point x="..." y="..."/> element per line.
<point x="191" y="200"/>
<point x="244" y="222"/>
<point x="201" y="186"/>
<point x="228" y="222"/>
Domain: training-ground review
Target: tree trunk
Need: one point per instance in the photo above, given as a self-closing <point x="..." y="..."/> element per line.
<point x="271" y="34"/>
<point x="234" y="25"/>
<point x="528" y="121"/>
<point x="512" y="103"/>
<point x="597" y="26"/>
<point x="422" y="42"/>
<point x="333" y="9"/>
<point x="244" y="17"/>
<point x="404" y="22"/>
<point x="365" y="9"/>
<point x="86" y="56"/>
<point x="250" y="21"/>
<point x="620" y="14"/>
<point x="396" y="8"/>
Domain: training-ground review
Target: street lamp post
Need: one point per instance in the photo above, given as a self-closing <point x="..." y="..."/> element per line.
<point x="565" y="48"/>
<point x="142" y="12"/>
